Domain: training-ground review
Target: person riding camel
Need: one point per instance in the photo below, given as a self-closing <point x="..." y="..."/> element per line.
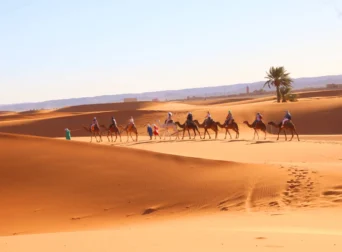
<point x="95" y="122"/>
<point x="131" y="121"/>
<point x="208" y="118"/>
<point x="258" y="118"/>
<point x="169" y="118"/>
<point x="229" y="118"/>
<point x="113" y="122"/>
<point x="189" y="118"/>
<point x="286" y="118"/>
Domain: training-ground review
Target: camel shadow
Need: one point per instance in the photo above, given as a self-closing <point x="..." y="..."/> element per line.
<point x="137" y="143"/>
<point x="233" y="140"/>
<point x="263" y="142"/>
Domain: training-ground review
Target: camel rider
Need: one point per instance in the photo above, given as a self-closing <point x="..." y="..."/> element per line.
<point x="286" y="118"/>
<point x="208" y="116"/>
<point x="169" y="118"/>
<point x="189" y="117"/>
<point x="258" y="118"/>
<point x="131" y="121"/>
<point x="95" y="122"/>
<point x="113" y="122"/>
<point x="229" y="118"/>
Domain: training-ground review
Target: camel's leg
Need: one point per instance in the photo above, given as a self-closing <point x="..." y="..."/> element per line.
<point x="265" y="134"/>
<point x="194" y="134"/>
<point x="199" y="133"/>
<point x="119" y="135"/>
<point x="278" y="133"/>
<point x="91" y="137"/>
<point x="286" y="135"/>
<point x="206" y="132"/>
<point x="136" y="136"/>
<point x="255" y="132"/>
<point x="130" y="133"/>
<point x="296" y="134"/>
<point x="229" y="133"/>
<point x="127" y="135"/>
<point x="189" y="134"/>
<point x="237" y="134"/>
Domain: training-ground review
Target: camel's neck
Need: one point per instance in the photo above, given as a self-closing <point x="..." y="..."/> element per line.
<point x="274" y="124"/>
<point x="180" y="125"/>
<point x="249" y="125"/>
<point x="201" y="125"/>
<point x="220" y="125"/>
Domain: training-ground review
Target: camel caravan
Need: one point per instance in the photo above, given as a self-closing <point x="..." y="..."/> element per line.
<point x="170" y="128"/>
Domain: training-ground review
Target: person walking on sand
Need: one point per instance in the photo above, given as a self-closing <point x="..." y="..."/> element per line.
<point x="67" y="134"/>
<point x="149" y="131"/>
<point x="155" y="131"/>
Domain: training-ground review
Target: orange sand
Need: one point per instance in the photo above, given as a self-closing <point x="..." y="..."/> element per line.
<point x="162" y="195"/>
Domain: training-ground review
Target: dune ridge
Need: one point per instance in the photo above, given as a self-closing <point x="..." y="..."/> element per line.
<point x="52" y="185"/>
<point x="313" y="116"/>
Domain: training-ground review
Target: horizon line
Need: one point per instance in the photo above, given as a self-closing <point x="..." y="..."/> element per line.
<point x="84" y="97"/>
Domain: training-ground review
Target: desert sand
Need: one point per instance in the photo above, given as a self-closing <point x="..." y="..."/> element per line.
<point x="172" y="195"/>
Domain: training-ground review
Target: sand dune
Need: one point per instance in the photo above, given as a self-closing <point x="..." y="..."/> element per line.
<point x="53" y="185"/>
<point x="203" y="195"/>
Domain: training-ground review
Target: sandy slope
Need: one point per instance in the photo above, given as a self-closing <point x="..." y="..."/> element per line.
<point x="53" y="185"/>
<point x="289" y="231"/>
<point x="202" y="195"/>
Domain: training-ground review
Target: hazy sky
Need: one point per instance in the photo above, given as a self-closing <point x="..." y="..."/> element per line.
<point x="73" y="48"/>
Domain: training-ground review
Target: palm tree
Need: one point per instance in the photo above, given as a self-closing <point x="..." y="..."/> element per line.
<point x="277" y="76"/>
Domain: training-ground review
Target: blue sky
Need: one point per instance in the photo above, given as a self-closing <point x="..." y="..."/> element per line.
<point x="72" y="48"/>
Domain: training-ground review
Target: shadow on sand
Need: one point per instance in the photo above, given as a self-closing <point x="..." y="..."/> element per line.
<point x="233" y="140"/>
<point x="263" y="142"/>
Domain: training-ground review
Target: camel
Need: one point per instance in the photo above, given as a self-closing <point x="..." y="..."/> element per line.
<point x="258" y="126"/>
<point x="166" y="127"/>
<point x="208" y="125"/>
<point x="93" y="129"/>
<point x="287" y="125"/>
<point x="112" y="129"/>
<point x="233" y="126"/>
<point x="129" y="129"/>
<point x="188" y="126"/>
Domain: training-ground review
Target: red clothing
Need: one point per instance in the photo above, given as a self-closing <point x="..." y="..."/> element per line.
<point x="155" y="130"/>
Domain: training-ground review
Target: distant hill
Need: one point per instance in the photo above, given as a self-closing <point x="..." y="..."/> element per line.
<point x="299" y="83"/>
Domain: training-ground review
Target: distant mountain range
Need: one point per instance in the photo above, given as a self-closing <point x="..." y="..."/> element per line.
<point x="299" y="83"/>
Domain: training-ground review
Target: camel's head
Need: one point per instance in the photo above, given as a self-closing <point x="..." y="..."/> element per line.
<point x="245" y="122"/>
<point x="270" y="123"/>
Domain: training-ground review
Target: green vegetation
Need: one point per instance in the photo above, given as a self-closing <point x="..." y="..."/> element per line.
<point x="278" y="78"/>
<point x="286" y="94"/>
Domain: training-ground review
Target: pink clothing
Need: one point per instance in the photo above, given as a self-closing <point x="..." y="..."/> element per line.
<point x="284" y="121"/>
